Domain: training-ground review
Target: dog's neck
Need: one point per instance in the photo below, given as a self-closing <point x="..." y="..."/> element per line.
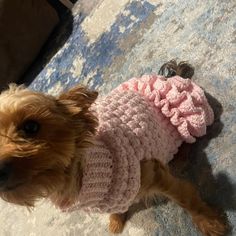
<point x="68" y="192"/>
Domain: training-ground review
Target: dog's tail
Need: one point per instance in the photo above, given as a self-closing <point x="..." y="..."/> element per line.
<point x="171" y="68"/>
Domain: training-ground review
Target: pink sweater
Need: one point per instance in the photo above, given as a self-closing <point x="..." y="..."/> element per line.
<point x="144" y="118"/>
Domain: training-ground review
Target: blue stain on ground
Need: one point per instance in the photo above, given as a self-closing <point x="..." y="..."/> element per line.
<point x="100" y="54"/>
<point x="60" y="64"/>
<point x="96" y="56"/>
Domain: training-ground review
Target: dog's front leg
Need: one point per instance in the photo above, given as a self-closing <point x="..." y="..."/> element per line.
<point x="117" y="222"/>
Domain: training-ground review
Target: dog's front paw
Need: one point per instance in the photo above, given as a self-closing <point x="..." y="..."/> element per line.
<point x="116" y="224"/>
<point x="213" y="224"/>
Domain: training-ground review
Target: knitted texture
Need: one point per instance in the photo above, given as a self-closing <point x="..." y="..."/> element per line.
<point x="144" y="118"/>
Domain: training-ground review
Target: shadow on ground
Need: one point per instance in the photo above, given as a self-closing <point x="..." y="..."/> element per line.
<point x="192" y="163"/>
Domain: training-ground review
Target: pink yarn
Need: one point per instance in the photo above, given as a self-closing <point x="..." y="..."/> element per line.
<point x="144" y="118"/>
<point x="180" y="100"/>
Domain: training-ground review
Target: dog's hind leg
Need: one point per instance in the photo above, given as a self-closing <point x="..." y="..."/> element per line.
<point x="209" y="221"/>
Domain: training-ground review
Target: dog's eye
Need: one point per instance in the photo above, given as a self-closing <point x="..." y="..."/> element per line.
<point x="30" y="127"/>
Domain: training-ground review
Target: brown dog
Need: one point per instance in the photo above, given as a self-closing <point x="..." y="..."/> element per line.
<point x="42" y="139"/>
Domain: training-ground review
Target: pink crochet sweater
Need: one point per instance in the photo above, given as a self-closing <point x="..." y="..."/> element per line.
<point x="144" y="118"/>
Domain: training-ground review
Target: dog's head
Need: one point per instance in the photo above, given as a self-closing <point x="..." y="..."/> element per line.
<point x="39" y="136"/>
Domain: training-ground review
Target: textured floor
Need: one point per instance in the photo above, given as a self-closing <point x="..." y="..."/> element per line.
<point x="114" y="40"/>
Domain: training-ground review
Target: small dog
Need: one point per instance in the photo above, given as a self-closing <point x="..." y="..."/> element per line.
<point x="105" y="155"/>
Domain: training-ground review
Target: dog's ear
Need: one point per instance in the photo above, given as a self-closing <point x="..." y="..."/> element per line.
<point x="78" y="98"/>
<point x="13" y="88"/>
<point x="76" y="103"/>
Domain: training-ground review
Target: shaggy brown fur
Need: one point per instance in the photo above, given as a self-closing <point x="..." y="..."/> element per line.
<point x="40" y="167"/>
<point x="48" y="161"/>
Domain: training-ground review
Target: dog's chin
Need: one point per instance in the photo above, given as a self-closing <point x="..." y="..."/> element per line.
<point x="23" y="195"/>
<point x="11" y="187"/>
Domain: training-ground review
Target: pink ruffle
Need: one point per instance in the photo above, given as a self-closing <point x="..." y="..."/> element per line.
<point x="180" y="100"/>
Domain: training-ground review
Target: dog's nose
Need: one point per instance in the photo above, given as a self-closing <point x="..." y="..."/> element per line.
<point x="5" y="172"/>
